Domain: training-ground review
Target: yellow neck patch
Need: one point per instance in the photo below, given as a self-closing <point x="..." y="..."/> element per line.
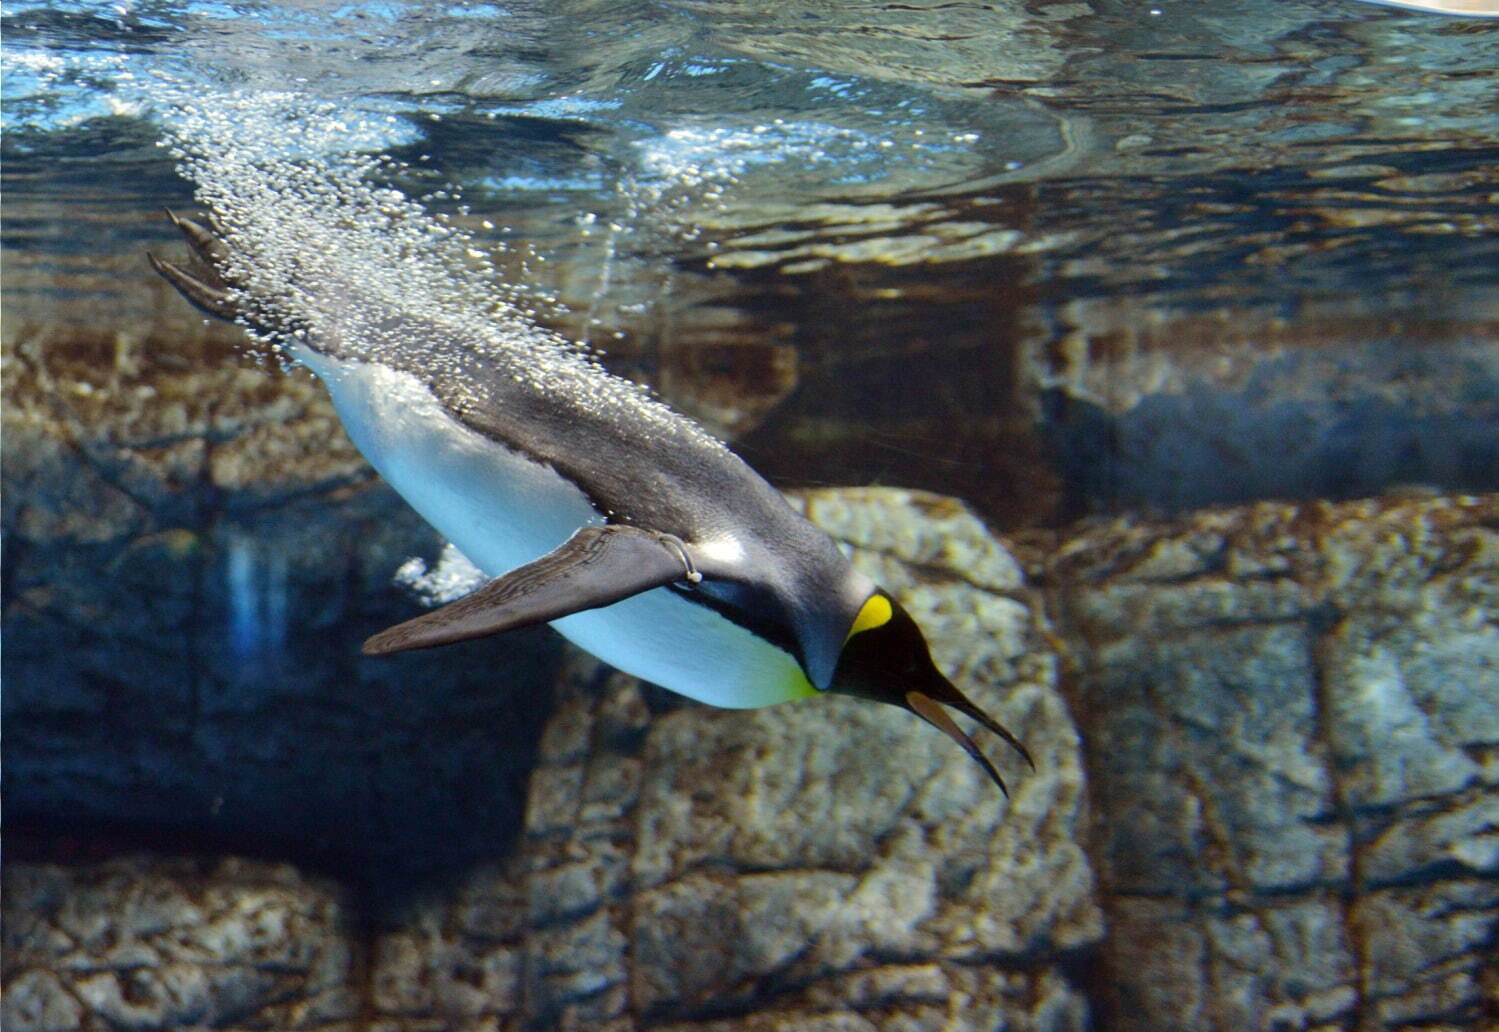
<point x="874" y="613"/>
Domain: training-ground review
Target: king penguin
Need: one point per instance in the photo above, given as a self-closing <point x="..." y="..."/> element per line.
<point x="595" y="508"/>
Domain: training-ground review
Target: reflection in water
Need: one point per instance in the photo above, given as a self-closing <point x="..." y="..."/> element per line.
<point x="257" y="605"/>
<point x="1467" y="8"/>
<point x="728" y="204"/>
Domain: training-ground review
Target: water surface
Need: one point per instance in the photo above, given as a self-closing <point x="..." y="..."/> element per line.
<point x="1053" y="258"/>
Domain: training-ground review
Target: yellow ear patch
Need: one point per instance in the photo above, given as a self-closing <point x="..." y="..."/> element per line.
<point x="874" y="613"/>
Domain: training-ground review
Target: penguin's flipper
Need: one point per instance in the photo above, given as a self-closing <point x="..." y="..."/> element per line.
<point x="596" y="567"/>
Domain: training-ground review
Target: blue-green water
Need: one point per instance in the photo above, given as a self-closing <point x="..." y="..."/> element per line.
<point x="1058" y="260"/>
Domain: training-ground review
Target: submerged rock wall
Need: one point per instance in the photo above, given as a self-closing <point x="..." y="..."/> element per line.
<point x="1265" y="798"/>
<point x="1292" y="717"/>
<point x="820" y="865"/>
<point x="192" y="553"/>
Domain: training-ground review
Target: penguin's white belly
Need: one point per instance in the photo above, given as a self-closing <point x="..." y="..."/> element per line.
<point x="502" y="509"/>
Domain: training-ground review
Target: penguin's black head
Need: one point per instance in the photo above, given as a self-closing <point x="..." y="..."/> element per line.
<point x="886" y="658"/>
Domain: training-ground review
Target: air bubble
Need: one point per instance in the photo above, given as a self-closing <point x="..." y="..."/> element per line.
<point x="367" y="272"/>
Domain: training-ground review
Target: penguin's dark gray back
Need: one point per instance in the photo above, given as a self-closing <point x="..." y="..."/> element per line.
<point x="637" y="461"/>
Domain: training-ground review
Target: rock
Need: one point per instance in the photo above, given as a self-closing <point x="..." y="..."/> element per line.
<point x="1292" y="713"/>
<point x="188" y="576"/>
<point x="1264" y="798"/>
<point x="159" y="942"/>
<point x="827" y="864"/>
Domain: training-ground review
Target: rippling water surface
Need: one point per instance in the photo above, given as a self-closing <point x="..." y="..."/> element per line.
<point x="1052" y="257"/>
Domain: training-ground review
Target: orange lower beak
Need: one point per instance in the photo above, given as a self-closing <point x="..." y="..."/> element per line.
<point x="930" y="709"/>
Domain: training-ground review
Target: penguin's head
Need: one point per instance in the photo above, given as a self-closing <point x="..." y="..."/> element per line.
<point x="885" y="657"/>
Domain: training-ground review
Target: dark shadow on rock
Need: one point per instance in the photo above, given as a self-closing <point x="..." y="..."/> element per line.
<point x="204" y="687"/>
<point x="1288" y="432"/>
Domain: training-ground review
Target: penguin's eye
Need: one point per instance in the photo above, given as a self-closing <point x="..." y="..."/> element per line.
<point x="876" y="612"/>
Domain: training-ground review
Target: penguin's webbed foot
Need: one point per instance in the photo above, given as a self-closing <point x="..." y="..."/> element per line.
<point x="204" y="283"/>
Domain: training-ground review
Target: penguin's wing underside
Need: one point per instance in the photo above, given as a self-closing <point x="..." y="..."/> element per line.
<point x="596" y="567"/>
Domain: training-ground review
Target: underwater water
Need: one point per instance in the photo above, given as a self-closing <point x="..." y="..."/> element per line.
<point x="1195" y="305"/>
<point x="1113" y="256"/>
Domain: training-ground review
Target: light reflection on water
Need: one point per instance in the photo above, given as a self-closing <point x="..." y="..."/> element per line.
<point x="833" y="231"/>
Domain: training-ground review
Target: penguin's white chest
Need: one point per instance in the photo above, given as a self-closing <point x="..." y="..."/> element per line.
<point x="502" y="509"/>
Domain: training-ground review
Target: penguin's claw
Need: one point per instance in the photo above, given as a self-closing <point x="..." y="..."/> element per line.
<point x="206" y="243"/>
<point x="215" y="225"/>
<point x="212" y="297"/>
<point x="206" y="281"/>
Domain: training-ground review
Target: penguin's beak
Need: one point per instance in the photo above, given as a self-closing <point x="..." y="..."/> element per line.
<point x="928" y="708"/>
<point x="886" y="658"/>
